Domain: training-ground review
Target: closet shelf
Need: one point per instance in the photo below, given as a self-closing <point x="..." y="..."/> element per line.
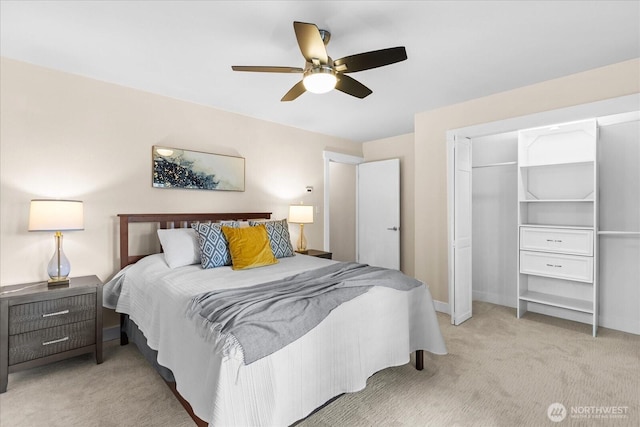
<point x="619" y="233"/>
<point x="577" y="227"/>
<point x="491" y="165"/>
<point x="557" y="201"/>
<point x="544" y="165"/>
<point x="558" y="301"/>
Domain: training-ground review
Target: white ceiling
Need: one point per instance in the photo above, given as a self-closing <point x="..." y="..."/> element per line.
<point x="457" y="50"/>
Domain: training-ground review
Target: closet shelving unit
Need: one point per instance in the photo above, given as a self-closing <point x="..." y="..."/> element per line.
<point x="557" y="221"/>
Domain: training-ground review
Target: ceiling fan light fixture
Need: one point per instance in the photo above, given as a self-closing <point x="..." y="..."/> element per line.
<point x="320" y="80"/>
<point x="320" y="72"/>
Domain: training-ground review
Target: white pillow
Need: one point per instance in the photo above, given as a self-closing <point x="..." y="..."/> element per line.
<point x="180" y="246"/>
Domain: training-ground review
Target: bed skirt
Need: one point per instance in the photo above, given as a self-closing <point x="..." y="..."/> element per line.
<point x="135" y="335"/>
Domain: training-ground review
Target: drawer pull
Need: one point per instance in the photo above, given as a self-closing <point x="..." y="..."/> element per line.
<point x="554" y="265"/>
<point x="57" y="313"/>
<point x="554" y="240"/>
<point x="55" y="341"/>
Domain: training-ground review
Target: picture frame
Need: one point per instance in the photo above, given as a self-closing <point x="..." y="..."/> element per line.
<point x="180" y="168"/>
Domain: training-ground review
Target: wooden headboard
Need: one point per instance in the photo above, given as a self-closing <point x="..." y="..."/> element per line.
<point x="176" y="220"/>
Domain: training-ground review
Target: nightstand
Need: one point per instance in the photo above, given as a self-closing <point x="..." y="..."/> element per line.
<point x="316" y="253"/>
<point x="40" y="325"/>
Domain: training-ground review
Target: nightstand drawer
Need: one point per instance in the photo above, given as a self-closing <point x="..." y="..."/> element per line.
<point x="48" y="314"/>
<point x="44" y="342"/>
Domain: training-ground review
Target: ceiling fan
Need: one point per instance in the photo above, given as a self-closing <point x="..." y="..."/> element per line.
<point x="322" y="74"/>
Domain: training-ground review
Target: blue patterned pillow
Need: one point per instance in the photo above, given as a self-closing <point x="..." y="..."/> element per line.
<point x="279" y="237"/>
<point x="214" y="250"/>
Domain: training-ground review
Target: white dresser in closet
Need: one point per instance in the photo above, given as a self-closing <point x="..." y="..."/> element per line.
<point x="557" y="221"/>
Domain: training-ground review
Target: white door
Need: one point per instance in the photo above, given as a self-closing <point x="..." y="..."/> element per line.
<point x="378" y="213"/>
<point x="460" y="286"/>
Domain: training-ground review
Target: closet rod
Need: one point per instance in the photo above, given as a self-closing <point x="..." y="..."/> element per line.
<point x="620" y="233"/>
<point x="490" y="165"/>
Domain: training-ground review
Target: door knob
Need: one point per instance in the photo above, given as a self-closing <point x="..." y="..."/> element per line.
<point x="393" y="228"/>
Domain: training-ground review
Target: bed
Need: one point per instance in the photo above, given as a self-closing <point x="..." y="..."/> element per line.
<point x="377" y="329"/>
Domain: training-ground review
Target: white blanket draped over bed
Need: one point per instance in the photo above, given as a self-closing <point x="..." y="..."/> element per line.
<point x="373" y="331"/>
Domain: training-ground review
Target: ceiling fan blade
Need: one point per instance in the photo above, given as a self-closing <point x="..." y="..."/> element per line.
<point x="369" y="60"/>
<point x="267" y="69"/>
<point x="297" y="90"/>
<point x="310" y="42"/>
<point x="352" y="87"/>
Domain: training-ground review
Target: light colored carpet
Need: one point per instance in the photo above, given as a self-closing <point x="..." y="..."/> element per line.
<point x="500" y="371"/>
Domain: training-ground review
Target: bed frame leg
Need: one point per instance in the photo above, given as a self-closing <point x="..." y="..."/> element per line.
<point x="124" y="339"/>
<point x="419" y="360"/>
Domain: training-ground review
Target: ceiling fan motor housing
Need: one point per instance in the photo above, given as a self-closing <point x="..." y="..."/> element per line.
<point x="326" y="36"/>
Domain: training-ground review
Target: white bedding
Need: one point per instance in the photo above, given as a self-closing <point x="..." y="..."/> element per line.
<point x="376" y="330"/>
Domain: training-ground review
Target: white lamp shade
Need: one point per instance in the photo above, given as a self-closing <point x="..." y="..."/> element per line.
<point x="300" y="214"/>
<point x="56" y="215"/>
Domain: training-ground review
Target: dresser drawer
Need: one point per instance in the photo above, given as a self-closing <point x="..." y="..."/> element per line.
<point x="44" y="342"/>
<point x="55" y="312"/>
<point x="564" y="240"/>
<point x="569" y="267"/>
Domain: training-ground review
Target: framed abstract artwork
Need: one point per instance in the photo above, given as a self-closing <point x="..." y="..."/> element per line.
<point x="177" y="168"/>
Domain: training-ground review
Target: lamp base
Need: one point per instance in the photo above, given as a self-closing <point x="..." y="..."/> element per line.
<point x="302" y="241"/>
<point x="57" y="282"/>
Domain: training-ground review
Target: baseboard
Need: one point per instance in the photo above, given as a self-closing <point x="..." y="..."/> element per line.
<point x="111" y="333"/>
<point x="619" y="324"/>
<point x="494" y="298"/>
<point x="442" y="307"/>
<point x="611" y="322"/>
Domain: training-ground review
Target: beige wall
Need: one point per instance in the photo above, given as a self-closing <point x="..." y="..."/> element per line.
<point x="65" y="136"/>
<point x="400" y="147"/>
<point x="430" y="148"/>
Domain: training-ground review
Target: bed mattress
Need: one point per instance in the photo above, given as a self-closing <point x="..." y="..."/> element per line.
<point x="373" y="331"/>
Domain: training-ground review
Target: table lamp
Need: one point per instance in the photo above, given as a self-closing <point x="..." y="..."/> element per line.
<point x="56" y="216"/>
<point x="301" y="214"/>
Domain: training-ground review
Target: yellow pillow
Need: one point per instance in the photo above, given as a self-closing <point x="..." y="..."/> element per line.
<point x="249" y="247"/>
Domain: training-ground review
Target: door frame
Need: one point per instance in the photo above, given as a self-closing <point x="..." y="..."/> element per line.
<point x="332" y="156"/>
<point x="607" y="107"/>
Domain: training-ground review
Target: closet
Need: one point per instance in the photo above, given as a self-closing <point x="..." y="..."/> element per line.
<point x="546" y="218"/>
<point x="494" y="218"/>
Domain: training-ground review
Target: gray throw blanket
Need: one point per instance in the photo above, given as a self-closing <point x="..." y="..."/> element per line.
<point x="261" y="319"/>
